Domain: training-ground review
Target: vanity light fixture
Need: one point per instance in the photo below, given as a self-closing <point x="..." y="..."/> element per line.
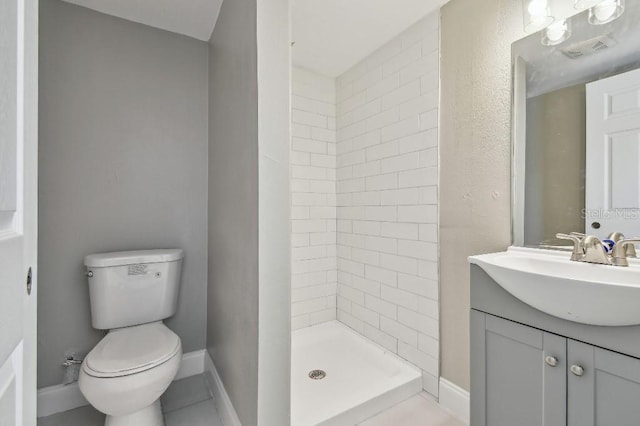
<point x="606" y="11"/>
<point x="537" y="15"/>
<point x="556" y="33"/>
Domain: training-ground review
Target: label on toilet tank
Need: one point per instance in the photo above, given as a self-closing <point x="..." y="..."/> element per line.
<point x="139" y="269"/>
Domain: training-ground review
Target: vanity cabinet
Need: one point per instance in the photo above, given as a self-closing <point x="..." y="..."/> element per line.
<point x="531" y="369"/>
<point x="532" y="378"/>
<point x="607" y="393"/>
<point x="513" y="385"/>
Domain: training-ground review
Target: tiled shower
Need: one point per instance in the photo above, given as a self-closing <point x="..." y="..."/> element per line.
<point x="313" y="197"/>
<point x="364" y="191"/>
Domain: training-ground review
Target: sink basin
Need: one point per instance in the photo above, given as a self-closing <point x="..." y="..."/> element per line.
<point x="575" y="291"/>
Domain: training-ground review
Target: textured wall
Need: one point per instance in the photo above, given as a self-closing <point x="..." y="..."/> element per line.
<point x="123" y="145"/>
<point x="232" y="320"/>
<point x="313" y="198"/>
<point x="475" y="143"/>
<point x="387" y="195"/>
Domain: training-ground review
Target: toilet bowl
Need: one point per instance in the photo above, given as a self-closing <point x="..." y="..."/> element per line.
<point x="127" y="372"/>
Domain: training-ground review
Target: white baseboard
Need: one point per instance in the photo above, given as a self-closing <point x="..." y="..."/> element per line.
<point x="455" y="399"/>
<point x="59" y="398"/>
<point x="221" y="399"/>
<point x="192" y="364"/>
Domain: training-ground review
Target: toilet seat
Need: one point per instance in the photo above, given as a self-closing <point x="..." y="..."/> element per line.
<point x="132" y="350"/>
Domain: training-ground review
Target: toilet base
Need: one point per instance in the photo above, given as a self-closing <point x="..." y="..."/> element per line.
<point x="149" y="416"/>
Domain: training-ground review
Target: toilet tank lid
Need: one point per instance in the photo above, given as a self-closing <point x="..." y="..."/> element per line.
<point x="121" y="258"/>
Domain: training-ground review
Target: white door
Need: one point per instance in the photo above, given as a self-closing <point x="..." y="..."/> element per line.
<point x="612" y="197"/>
<point x="18" y="209"/>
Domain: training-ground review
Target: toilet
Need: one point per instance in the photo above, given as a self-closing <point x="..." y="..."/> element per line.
<point x="125" y="374"/>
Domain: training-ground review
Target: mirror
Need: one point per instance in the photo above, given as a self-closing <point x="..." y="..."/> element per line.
<point x="576" y="131"/>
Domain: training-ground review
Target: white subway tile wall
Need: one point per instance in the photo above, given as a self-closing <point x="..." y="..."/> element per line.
<point x="387" y="196"/>
<point x="313" y="199"/>
<point x="364" y="193"/>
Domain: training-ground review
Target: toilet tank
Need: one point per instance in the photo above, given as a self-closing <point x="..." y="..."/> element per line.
<point x="129" y="288"/>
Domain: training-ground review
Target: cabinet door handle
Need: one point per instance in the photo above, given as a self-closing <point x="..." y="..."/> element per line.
<point x="577" y="370"/>
<point x="551" y="361"/>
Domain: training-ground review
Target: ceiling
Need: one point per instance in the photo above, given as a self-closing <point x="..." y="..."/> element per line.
<point x="331" y="36"/>
<point x="193" y="18"/>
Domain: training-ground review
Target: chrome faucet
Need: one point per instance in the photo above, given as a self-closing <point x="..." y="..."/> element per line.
<point x="621" y="251"/>
<point x="590" y="249"/>
<point x="594" y="251"/>
<point x="586" y="248"/>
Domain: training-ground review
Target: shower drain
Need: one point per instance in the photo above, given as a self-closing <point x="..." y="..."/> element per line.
<point x="317" y="374"/>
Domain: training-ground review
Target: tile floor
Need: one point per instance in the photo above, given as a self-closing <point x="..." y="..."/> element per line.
<point x="419" y="410"/>
<point x="188" y="402"/>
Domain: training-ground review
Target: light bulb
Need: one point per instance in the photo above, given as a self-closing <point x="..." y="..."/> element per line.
<point x="536" y="15"/>
<point x="606" y="11"/>
<point x="556" y="33"/>
<point x="537" y="8"/>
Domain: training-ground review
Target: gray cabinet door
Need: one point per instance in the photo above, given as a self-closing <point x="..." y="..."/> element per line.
<point x="607" y="393"/>
<point x="511" y="384"/>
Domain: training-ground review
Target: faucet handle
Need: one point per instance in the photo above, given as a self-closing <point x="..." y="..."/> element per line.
<point x="619" y="236"/>
<point x="578" y="249"/>
<point x="622" y="251"/>
<point x="631" y="251"/>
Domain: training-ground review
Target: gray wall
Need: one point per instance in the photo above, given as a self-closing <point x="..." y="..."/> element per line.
<point x="555" y="168"/>
<point x="232" y="320"/>
<point x="475" y="142"/>
<point x="123" y="165"/>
